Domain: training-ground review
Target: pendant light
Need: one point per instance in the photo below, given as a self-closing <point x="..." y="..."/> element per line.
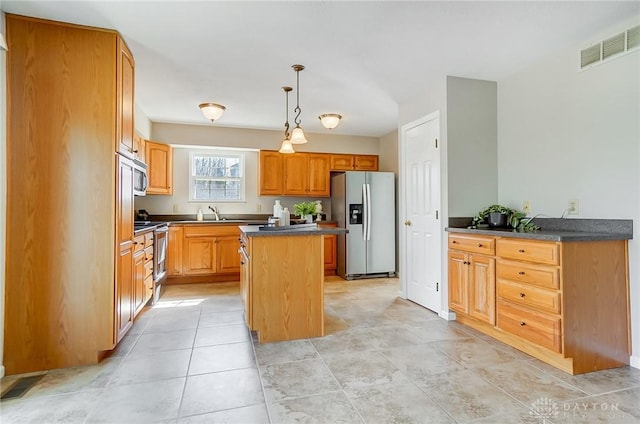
<point x="297" y="135"/>
<point x="212" y="111"/>
<point x="286" y="147"/>
<point x="330" y="120"/>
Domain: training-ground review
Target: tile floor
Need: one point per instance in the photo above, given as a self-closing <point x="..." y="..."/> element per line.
<point x="190" y="359"/>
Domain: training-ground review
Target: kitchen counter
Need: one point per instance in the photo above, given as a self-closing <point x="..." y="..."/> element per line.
<point x="557" y="229"/>
<point x="291" y="230"/>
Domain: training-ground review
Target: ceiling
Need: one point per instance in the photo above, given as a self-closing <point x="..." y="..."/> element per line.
<point x="362" y="59"/>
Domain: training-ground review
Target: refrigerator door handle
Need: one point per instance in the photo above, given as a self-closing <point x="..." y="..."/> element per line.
<point x="364" y="212"/>
<point x="368" y="212"/>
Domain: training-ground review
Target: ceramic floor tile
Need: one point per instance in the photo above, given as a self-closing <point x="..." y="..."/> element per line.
<point x="626" y="401"/>
<point x="466" y="396"/>
<point x="68" y="408"/>
<point x="353" y="370"/>
<point x="225" y="357"/>
<point x="297" y="379"/>
<point x="421" y="362"/>
<point x="396" y="403"/>
<point x="328" y="408"/>
<point x="473" y="352"/>
<point x="436" y="330"/>
<point x="208" y="336"/>
<point x="352" y="340"/>
<point x="394" y="336"/>
<point x="289" y="351"/>
<point x="139" y="403"/>
<point x="170" y="340"/>
<point x="221" y="390"/>
<point x="174" y="320"/>
<point x="527" y="383"/>
<point x="222" y="304"/>
<point x="254" y="414"/>
<point x="214" y="319"/>
<point x="151" y="367"/>
<point x="598" y="382"/>
<point x="125" y="346"/>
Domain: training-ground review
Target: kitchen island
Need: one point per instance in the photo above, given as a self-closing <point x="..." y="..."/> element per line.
<point x="282" y="280"/>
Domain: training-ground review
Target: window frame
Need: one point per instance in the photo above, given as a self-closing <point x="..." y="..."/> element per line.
<point x="241" y="160"/>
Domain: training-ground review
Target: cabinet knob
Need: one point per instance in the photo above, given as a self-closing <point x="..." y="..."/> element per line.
<point x="522" y="295"/>
<point x="521" y="273"/>
<point x="522" y="323"/>
<point x="479" y="244"/>
<point x="241" y="262"/>
<point x="135" y="151"/>
<point x="521" y="250"/>
<point x="454" y="242"/>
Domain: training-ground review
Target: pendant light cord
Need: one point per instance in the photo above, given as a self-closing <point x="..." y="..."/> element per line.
<point x="297" y="109"/>
<point x="286" y="124"/>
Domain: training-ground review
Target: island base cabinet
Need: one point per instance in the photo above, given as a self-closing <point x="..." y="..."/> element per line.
<point x="285" y="287"/>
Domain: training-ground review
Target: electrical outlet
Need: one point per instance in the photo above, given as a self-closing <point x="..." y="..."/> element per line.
<point x="526" y="206"/>
<point x="176" y="208"/>
<point x="573" y="207"/>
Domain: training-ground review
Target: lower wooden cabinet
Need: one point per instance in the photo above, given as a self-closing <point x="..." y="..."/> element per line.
<point x="200" y="250"/>
<point x="143" y="271"/>
<point x="565" y="303"/>
<point x="330" y="251"/>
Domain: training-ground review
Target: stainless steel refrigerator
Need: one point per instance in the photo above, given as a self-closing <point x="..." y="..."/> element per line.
<point x="364" y="203"/>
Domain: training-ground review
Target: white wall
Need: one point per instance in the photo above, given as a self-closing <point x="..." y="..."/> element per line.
<point x="472" y="146"/>
<point x="388" y="162"/>
<point x="566" y="134"/>
<point x="142" y="123"/>
<point x="3" y="188"/>
<point x="250" y="141"/>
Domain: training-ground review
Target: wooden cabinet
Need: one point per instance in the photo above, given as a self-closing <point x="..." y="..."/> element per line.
<point x="330" y="251"/>
<point x="472" y="277"/>
<point x="244" y="253"/>
<point x="174" y="250"/>
<point x="319" y="178"/>
<point x="345" y="162"/>
<point x="143" y="271"/>
<point x="271" y="173"/>
<point x="139" y="146"/>
<point x="548" y="295"/>
<point x="69" y="112"/>
<point x="159" y="159"/>
<point x="203" y="250"/>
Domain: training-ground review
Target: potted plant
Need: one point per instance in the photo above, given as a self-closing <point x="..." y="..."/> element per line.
<point x="499" y="216"/>
<point x="305" y="209"/>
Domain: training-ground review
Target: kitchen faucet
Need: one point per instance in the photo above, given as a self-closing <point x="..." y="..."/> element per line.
<point x="216" y="212"/>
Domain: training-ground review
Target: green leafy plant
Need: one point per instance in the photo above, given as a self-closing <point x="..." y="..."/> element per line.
<point x="304" y="208"/>
<point x="515" y="219"/>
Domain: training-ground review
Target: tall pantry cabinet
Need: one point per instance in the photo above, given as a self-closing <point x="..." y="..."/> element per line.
<point x="69" y="194"/>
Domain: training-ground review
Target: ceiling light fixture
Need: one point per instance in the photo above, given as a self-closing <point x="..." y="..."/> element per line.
<point x="330" y="120"/>
<point x="286" y="147"/>
<point x="297" y="135"/>
<point x="212" y="111"/>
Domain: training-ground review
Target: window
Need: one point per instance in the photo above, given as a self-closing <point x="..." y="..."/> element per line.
<point x="216" y="177"/>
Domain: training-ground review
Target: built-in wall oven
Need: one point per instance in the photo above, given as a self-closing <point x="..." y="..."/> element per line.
<point x="160" y="235"/>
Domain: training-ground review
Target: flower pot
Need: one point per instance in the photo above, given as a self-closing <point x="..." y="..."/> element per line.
<point x="497" y="219"/>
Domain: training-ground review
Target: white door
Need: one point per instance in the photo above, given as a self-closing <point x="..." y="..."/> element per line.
<point x="422" y="228"/>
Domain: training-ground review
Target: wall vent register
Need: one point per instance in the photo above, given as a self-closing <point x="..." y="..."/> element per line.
<point x="609" y="48"/>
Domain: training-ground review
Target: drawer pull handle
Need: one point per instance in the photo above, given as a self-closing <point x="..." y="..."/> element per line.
<point x="454" y="242"/>
<point x="479" y="244"/>
<point x="522" y="323"/>
<point x="522" y="294"/>
<point x="521" y="250"/>
<point x="521" y="273"/>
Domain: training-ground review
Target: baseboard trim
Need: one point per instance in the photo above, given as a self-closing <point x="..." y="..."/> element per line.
<point x="448" y="315"/>
<point x="634" y="361"/>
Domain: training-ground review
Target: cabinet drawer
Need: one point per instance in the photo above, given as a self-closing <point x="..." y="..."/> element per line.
<point x="148" y="239"/>
<point x="148" y="269"/>
<point x="533" y="251"/>
<point x="215" y="230"/>
<point x="148" y="252"/>
<point x="138" y="243"/>
<point x="148" y="282"/>
<point x="541" y="329"/>
<point x="540" y="275"/>
<point x="475" y="244"/>
<point x="530" y="296"/>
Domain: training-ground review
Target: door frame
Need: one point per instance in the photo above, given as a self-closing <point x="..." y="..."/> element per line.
<point x="443" y="211"/>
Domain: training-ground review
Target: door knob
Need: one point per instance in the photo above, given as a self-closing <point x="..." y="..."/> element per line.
<point x="407" y="223"/>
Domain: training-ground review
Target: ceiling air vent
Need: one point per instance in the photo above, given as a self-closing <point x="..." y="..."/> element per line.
<point x="610" y="48"/>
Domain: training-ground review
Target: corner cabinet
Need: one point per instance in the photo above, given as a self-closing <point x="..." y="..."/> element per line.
<point x="565" y="303"/>
<point x="159" y="160"/>
<point x="80" y="211"/>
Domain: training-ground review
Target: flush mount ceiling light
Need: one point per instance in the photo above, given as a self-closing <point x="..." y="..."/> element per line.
<point x="286" y="143"/>
<point x="212" y="111"/>
<point x="297" y="135"/>
<point x="330" y="120"/>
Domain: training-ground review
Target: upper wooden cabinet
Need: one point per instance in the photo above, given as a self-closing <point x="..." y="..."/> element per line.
<point x="298" y="174"/>
<point x="347" y="162"/>
<point x="159" y="168"/>
<point x="124" y="95"/>
<point x="139" y="147"/>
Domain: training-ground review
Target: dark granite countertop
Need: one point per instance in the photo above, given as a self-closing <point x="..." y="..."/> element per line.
<point x="147" y="227"/>
<point x="557" y="229"/>
<point x="291" y="230"/>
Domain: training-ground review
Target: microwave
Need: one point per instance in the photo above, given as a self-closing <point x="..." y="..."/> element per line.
<point x="140" y="179"/>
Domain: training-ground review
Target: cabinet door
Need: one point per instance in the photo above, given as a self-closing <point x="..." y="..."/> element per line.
<point x="270" y="172"/>
<point x="199" y="255"/>
<point x="159" y="168"/>
<point x="124" y="94"/>
<point x="124" y="292"/>
<point x="366" y="162"/>
<point x="139" y="289"/>
<point x="227" y="255"/>
<point x="330" y="254"/>
<point x="342" y="162"/>
<point x="482" y="288"/>
<point x="296" y="174"/>
<point x="319" y="175"/>
<point x="458" y="281"/>
<point x="174" y="251"/>
<point x="245" y="286"/>
<point x="139" y="146"/>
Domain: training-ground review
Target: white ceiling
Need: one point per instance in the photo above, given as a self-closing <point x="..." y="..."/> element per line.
<point x="362" y="58"/>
